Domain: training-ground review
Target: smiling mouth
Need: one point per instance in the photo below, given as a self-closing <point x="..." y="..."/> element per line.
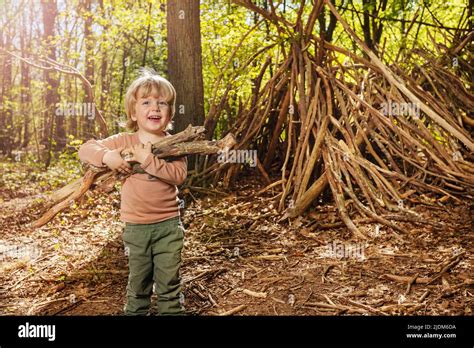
<point x="154" y="118"/>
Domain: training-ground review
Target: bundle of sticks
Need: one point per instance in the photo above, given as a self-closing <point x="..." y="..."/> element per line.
<point x="187" y="142"/>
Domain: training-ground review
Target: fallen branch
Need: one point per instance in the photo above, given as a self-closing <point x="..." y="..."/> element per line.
<point x="233" y="311"/>
<point x="448" y="265"/>
<point x="367" y="307"/>
<point x="408" y="280"/>
<point x="254" y="293"/>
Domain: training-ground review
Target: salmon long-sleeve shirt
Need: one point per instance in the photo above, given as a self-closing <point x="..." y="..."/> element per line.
<point x="145" y="198"/>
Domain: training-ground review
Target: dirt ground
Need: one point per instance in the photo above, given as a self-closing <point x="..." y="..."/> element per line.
<point x="239" y="259"/>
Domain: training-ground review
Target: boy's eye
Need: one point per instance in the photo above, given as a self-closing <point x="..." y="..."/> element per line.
<point x="163" y="104"/>
<point x="146" y="102"/>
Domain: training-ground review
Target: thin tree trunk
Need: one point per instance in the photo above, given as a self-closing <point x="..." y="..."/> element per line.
<point x="105" y="88"/>
<point x="52" y="98"/>
<point x="88" y="122"/>
<point x="6" y="97"/>
<point x="25" y="95"/>
<point x="147" y="38"/>
<point x="366" y="26"/>
<point x="122" y="83"/>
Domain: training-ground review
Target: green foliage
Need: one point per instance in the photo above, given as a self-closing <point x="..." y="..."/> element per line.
<point x="116" y="47"/>
<point x="65" y="168"/>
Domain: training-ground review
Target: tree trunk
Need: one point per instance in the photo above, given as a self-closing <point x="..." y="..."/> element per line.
<point x="104" y="81"/>
<point x="147" y="38"/>
<point x="88" y="122"/>
<point x="52" y="98"/>
<point x="122" y="85"/>
<point x="25" y="95"/>
<point x="372" y="26"/>
<point x="366" y="25"/>
<point x="185" y="63"/>
<point x="6" y="129"/>
<point x="71" y="82"/>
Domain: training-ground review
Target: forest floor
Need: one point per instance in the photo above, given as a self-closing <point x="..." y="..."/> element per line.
<point x="238" y="258"/>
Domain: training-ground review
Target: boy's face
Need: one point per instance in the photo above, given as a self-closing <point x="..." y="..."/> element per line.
<point x="152" y="112"/>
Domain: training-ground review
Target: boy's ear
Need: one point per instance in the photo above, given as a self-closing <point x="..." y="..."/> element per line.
<point x="132" y="116"/>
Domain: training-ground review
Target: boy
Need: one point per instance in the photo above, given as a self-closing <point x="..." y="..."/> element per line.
<point x="153" y="234"/>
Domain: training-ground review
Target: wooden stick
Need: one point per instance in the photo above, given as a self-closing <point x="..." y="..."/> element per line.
<point x="254" y="294"/>
<point x="233" y="311"/>
<point x="404" y="279"/>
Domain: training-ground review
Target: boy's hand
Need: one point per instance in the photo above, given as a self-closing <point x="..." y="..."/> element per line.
<point x="114" y="161"/>
<point x="140" y="152"/>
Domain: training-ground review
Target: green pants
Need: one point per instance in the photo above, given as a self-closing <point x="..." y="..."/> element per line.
<point x="154" y="255"/>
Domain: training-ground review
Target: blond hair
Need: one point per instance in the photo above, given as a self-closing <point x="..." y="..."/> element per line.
<point x="146" y="82"/>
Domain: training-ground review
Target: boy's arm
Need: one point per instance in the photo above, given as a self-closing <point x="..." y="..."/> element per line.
<point x="93" y="151"/>
<point x="173" y="173"/>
